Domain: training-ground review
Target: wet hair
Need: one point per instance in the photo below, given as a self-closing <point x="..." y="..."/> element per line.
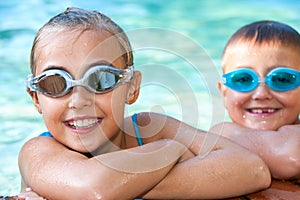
<point x="266" y="32"/>
<point x="82" y="20"/>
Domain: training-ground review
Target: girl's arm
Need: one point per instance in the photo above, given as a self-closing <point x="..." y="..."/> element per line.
<point x="279" y="149"/>
<point x="55" y="172"/>
<point x="218" y="168"/>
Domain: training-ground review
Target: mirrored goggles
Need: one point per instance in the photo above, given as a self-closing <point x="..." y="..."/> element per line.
<point x="280" y="79"/>
<point x="99" y="79"/>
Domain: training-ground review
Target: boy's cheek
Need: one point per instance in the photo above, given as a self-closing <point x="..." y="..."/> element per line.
<point x="228" y="96"/>
<point x="234" y="101"/>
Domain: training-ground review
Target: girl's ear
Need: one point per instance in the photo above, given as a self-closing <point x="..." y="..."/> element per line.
<point x="134" y="88"/>
<point x="35" y="100"/>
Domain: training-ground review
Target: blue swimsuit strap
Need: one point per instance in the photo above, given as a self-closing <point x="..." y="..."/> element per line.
<point x="136" y="129"/>
<point x="47" y="134"/>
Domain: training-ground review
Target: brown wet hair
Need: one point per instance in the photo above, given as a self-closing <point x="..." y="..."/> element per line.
<point x="266" y="32"/>
<point x="82" y="20"/>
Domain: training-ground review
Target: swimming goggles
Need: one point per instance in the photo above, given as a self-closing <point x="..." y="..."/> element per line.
<point x="280" y="79"/>
<point x="98" y="79"/>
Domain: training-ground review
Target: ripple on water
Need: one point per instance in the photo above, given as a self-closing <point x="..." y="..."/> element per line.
<point x="13" y="135"/>
<point x="14" y="131"/>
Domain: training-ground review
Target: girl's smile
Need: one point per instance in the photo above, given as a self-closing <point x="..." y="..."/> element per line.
<point x="83" y="125"/>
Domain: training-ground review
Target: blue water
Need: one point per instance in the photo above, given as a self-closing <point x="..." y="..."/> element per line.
<point x="180" y="59"/>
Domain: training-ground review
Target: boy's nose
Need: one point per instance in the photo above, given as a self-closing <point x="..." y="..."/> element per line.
<point x="80" y="98"/>
<point x="262" y="92"/>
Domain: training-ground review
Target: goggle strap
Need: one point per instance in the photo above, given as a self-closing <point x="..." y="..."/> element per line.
<point x="129" y="71"/>
<point x="29" y="81"/>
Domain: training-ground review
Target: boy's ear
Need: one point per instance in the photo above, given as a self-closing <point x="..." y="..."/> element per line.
<point x="35" y="100"/>
<point x="134" y="88"/>
<point x="222" y="90"/>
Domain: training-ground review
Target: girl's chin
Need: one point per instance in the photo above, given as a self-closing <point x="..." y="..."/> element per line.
<point x="82" y="146"/>
<point x="83" y="151"/>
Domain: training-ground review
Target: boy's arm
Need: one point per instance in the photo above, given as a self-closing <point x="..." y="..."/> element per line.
<point x="217" y="164"/>
<point x="55" y="172"/>
<point x="279" y="149"/>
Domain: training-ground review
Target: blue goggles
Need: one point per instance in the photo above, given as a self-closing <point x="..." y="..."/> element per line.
<point x="98" y="79"/>
<point x="280" y="79"/>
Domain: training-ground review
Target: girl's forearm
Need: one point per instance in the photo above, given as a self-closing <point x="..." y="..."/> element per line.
<point x="229" y="169"/>
<point x="55" y="172"/>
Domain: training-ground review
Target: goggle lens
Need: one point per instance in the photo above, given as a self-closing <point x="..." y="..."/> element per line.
<point x="284" y="81"/>
<point x="242" y="79"/>
<point x="52" y="85"/>
<point x="102" y="81"/>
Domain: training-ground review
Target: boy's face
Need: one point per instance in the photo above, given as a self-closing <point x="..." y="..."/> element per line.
<point x="262" y="108"/>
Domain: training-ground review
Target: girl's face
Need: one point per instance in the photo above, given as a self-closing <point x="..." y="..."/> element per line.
<point x="82" y="120"/>
<point x="262" y="108"/>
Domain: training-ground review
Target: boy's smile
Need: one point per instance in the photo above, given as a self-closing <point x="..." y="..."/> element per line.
<point x="262" y="108"/>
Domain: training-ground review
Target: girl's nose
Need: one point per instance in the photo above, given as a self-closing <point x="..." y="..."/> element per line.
<point x="262" y="92"/>
<point x="80" y="98"/>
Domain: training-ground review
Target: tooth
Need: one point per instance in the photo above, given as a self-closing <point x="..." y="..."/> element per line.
<point x="85" y="122"/>
<point x="257" y="111"/>
<point x="91" y="121"/>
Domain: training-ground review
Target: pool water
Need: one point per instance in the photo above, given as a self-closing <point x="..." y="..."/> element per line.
<point x="177" y="46"/>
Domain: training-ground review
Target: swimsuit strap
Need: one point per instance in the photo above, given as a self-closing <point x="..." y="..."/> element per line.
<point x="136" y="129"/>
<point x="47" y="134"/>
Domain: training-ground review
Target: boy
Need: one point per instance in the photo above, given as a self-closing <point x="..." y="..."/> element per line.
<point x="260" y="89"/>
